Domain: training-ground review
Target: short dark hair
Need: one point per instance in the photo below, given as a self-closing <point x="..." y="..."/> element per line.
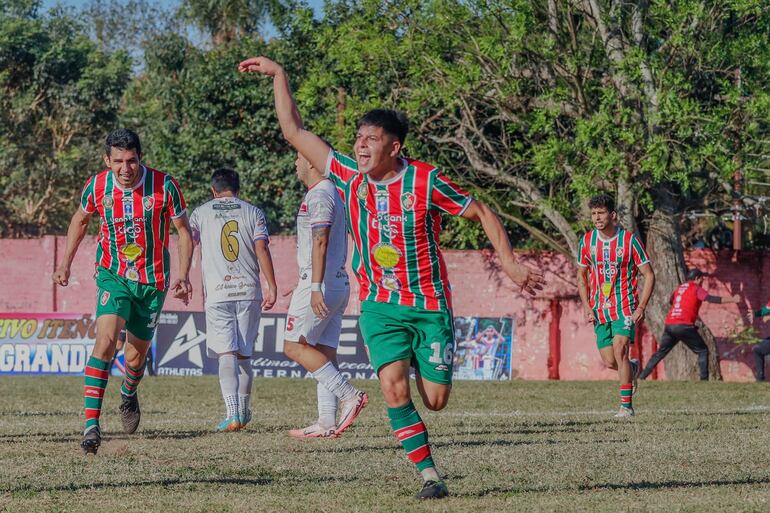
<point x="602" y="201"/>
<point x="694" y="274"/>
<point x="392" y="122"/>
<point x="123" y="139"/>
<point x="225" y="179"/>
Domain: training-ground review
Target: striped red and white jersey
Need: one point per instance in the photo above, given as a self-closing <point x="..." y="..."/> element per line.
<point x="395" y="226"/>
<point x="614" y="265"/>
<point x="133" y="236"/>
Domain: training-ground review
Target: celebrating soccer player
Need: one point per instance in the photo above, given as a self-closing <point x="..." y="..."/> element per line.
<point x="762" y="349"/>
<point x="393" y="207"/>
<point x="613" y="255"/>
<point x="680" y="322"/>
<point x="234" y="247"/>
<point x="136" y="206"/>
<point x="314" y="321"/>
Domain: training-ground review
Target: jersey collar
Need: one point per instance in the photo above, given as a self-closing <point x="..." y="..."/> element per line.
<point x="403" y="166"/>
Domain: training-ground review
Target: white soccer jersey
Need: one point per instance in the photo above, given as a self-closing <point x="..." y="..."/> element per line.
<point x="227" y="229"/>
<point x="322" y="207"/>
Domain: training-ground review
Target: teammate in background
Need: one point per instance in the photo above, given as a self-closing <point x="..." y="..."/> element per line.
<point x="136" y="206"/>
<point x="234" y="248"/>
<point x="680" y="322"/>
<point x="393" y="208"/>
<point x="612" y="256"/>
<point x="763" y="348"/>
<point x="314" y="320"/>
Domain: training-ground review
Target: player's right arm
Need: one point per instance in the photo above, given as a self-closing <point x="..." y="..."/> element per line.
<point x="75" y="234"/>
<point x="312" y="147"/>
<point x="583" y="261"/>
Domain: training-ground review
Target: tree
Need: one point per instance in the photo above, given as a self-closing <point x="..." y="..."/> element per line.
<point x="540" y="104"/>
<point x="228" y="20"/>
<point x="59" y="95"/>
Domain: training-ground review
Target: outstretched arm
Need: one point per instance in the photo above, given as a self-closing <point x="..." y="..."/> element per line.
<point x="75" y="234"/>
<point x="312" y="147"/>
<point x="723" y="299"/>
<point x="528" y="279"/>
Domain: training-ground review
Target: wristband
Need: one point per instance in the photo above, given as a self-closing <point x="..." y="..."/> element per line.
<point x="315" y="287"/>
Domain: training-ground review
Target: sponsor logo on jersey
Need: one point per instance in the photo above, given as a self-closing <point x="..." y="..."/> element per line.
<point x="381" y="198"/>
<point x="105" y="297"/>
<point x="387" y="255"/>
<point x="303" y="208"/>
<point x="407" y="200"/>
<point x="441" y="368"/>
<point x="148" y="202"/>
<point x="133" y="230"/>
<point x="390" y="282"/>
<point x="225" y="205"/>
<point x="128" y="207"/>
<point x="131" y="252"/>
<point x="132" y="274"/>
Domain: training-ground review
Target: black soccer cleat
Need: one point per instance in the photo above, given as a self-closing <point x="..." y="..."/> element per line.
<point x="92" y="439"/>
<point x="129" y="412"/>
<point x="433" y="490"/>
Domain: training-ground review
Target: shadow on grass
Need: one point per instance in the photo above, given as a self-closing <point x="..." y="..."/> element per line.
<point x="74" y="487"/>
<point x="648" y="485"/>
<point x="148" y="434"/>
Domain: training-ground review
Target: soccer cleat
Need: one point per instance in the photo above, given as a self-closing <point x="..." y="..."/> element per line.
<point x="433" y="490"/>
<point x="129" y="412"/>
<point x="350" y="410"/>
<point x="92" y="439"/>
<point x="636" y="368"/>
<point x="245" y="419"/>
<point x="625" y="413"/>
<point x="229" y="424"/>
<point x="314" y="431"/>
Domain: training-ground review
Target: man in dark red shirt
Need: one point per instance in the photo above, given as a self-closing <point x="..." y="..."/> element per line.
<point x="763" y="348"/>
<point x="680" y="322"/>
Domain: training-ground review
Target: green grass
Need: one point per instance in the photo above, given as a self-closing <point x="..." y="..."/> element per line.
<point x="517" y="446"/>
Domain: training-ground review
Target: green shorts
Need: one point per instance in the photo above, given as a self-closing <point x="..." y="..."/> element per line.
<point x="394" y="332"/>
<point x="607" y="331"/>
<point x="136" y="303"/>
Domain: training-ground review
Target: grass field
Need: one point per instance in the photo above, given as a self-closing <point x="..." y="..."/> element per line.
<point x="516" y="446"/>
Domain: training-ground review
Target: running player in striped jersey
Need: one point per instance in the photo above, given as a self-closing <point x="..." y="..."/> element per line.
<point x="762" y="349"/>
<point x="136" y="206"/>
<point x="611" y="256"/>
<point x="393" y="207"/>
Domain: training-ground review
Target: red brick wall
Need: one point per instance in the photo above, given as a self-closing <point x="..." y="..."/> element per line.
<point x="479" y="288"/>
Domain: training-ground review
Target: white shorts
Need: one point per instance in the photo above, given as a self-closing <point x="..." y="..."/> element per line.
<point x="301" y="321"/>
<point x="232" y="326"/>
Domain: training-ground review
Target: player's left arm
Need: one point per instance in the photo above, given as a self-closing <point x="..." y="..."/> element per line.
<point x="265" y="260"/>
<point x="527" y="278"/>
<point x="182" y="289"/>
<point x="649" y="286"/>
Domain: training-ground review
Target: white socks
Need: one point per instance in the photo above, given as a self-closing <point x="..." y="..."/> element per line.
<point x="334" y="382"/>
<point x="327" y="407"/>
<point x="228" y="381"/>
<point x="245" y="377"/>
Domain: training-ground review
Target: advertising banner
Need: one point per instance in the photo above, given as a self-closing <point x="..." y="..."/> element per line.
<point x="48" y="343"/>
<point x="483" y="348"/>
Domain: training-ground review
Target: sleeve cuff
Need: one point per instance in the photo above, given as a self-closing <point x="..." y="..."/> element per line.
<point x="180" y="214"/>
<point x="329" y="158"/>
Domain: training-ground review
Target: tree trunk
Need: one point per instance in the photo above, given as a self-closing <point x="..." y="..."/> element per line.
<point x="664" y="246"/>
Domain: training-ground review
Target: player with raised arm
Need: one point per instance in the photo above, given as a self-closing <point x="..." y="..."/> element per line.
<point x="686" y="301"/>
<point x="234" y="247"/>
<point x="393" y="207"/>
<point x="314" y="320"/>
<point x="611" y="257"/>
<point x="136" y="206"/>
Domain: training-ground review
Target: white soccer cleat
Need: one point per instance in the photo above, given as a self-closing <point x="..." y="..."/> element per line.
<point x="351" y="409"/>
<point x="625" y="413"/>
<point x="314" y="431"/>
